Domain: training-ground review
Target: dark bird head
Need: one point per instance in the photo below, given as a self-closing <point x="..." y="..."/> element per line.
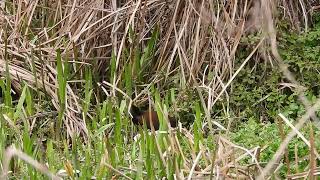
<point x="136" y="113"/>
<point x="173" y="121"/>
<point x="148" y="118"/>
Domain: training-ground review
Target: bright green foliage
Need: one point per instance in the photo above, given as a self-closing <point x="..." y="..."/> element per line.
<point x="259" y="93"/>
<point x="266" y="136"/>
<point x="260" y="89"/>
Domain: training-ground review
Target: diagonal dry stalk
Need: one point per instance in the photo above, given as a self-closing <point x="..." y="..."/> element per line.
<point x="271" y="32"/>
<point x="12" y="151"/>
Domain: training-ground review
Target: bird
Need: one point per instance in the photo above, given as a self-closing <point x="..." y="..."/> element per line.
<point x="150" y="117"/>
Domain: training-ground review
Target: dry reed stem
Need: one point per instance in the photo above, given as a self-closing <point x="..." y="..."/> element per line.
<point x="12" y="151"/>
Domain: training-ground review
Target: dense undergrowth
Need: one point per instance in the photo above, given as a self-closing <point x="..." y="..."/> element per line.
<point x="261" y="93"/>
<point x="81" y="127"/>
